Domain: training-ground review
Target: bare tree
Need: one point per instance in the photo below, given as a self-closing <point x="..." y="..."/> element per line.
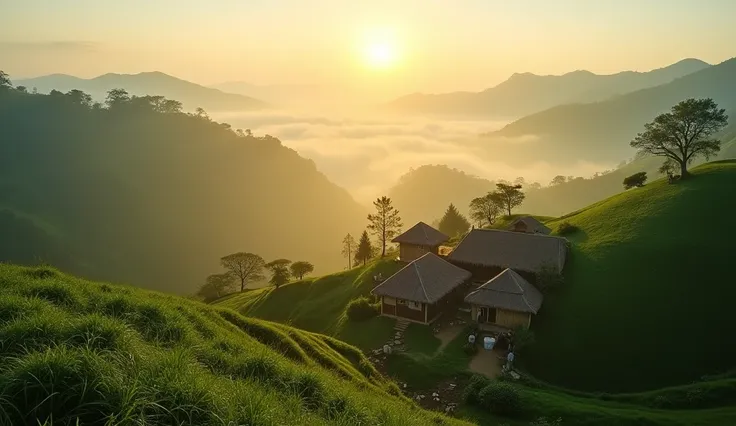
<point x="348" y="248"/>
<point x="684" y="133"/>
<point x="247" y="267"/>
<point x="386" y="223"/>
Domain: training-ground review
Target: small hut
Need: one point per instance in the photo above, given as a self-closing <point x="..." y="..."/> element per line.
<point x="422" y="290"/>
<point x="508" y="300"/>
<point x="419" y="240"/>
<point x="529" y="225"/>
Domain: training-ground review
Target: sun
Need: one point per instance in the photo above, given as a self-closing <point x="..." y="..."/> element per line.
<point x="380" y="49"/>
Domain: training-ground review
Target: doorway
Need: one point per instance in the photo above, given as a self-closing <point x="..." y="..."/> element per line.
<point x="487" y="314"/>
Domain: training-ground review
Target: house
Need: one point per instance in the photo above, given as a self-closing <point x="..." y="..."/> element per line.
<point x="529" y="225"/>
<point x="419" y="240"/>
<point x="507" y="300"/>
<point x="423" y="289"/>
<point x="488" y="252"/>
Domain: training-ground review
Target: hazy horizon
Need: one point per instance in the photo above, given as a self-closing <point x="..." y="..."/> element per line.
<point x="375" y="51"/>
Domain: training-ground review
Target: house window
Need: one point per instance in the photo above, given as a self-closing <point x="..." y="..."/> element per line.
<point x="415" y="305"/>
<point x="400" y="302"/>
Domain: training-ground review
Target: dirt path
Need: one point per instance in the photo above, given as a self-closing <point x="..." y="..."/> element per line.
<point x="447" y="335"/>
<point x="486" y="363"/>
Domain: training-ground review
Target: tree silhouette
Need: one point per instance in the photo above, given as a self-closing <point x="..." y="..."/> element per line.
<point x="684" y="133"/>
<point x="216" y="286"/>
<point x="279" y="272"/>
<point x="348" y="248"/>
<point x="509" y="195"/>
<point x="485" y="209"/>
<point x="5" y="82"/>
<point x="300" y="269"/>
<point x="386" y="223"/>
<point x="365" y="249"/>
<point x="453" y="223"/>
<point x="636" y="180"/>
<point x="246" y="267"/>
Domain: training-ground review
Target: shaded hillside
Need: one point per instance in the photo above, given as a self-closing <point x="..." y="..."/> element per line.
<point x="147" y="83"/>
<point x="155" y="199"/>
<point x="647" y="289"/>
<point x="79" y="352"/>
<point x="602" y="131"/>
<point x="526" y="93"/>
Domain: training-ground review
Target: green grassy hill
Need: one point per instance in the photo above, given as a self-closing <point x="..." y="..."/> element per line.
<point x="318" y="304"/>
<point x="74" y="352"/>
<point x="649" y="289"/>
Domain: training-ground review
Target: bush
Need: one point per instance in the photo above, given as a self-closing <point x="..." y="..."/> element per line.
<point x="361" y="309"/>
<point x="501" y="398"/>
<point x="470" y="348"/>
<point x="547" y="279"/>
<point x="566" y="228"/>
<point x="470" y="394"/>
<point x="636" y="180"/>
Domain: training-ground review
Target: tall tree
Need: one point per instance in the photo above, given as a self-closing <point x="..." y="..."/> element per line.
<point x="453" y="223"/>
<point x="509" y="195"/>
<point x="386" y="223"/>
<point x="365" y="249"/>
<point x="116" y="98"/>
<point x="216" y="286"/>
<point x="279" y="272"/>
<point x="558" y="180"/>
<point x="485" y="209"/>
<point x="246" y="267"/>
<point x="5" y="82"/>
<point x="348" y="248"/>
<point x="684" y="133"/>
<point x="300" y="269"/>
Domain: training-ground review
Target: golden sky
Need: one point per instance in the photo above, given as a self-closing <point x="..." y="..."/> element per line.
<point x="387" y="47"/>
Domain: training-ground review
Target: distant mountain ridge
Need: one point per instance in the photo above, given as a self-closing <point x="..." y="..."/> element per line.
<point x="601" y="131"/>
<point x="527" y="93"/>
<point x="191" y="95"/>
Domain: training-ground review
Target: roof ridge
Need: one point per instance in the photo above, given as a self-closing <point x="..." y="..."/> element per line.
<point x="524" y="234"/>
<point x="421" y="282"/>
<point x="523" y="293"/>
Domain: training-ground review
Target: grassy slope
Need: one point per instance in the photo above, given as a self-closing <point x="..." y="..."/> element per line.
<point x="648" y="289"/>
<point x="102" y="354"/>
<point x="318" y="304"/>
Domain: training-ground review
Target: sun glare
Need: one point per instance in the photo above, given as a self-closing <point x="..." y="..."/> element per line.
<point x="379" y="49"/>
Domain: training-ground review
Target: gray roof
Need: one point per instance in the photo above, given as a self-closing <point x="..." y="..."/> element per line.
<point x="507" y="290"/>
<point x="422" y="234"/>
<point x="533" y="225"/>
<point x="506" y="249"/>
<point x="426" y="279"/>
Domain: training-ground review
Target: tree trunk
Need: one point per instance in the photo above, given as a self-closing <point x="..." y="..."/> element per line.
<point x="242" y="285"/>
<point x="683" y="170"/>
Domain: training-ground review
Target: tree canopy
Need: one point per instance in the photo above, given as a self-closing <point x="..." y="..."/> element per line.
<point x="453" y="223"/>
<point x="386" y="223"/>
<point x="246" y="267"/>
<point x="484" y="210"/>
<point x="509" y="195"/>
<point x="280" y="274"/>
<point x="636" y="180"/>
<point x="365" y="249"/>
<point x="684" y="133"/>
<point x="301" y="268"/>
<point x="216" y="286"/>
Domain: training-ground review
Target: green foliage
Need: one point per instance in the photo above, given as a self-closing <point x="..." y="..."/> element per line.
<point x="246" y="267"/>
<point x="361" y="309"/>
<point x="548" y="279"/>
<point x="216" y="286"/>
<point x="566" y="228"/>
<point x="453" y="223"/>
<point x="386" y="223"/>
<point x="301" y="268"/>
<point x="500" y="398"/>
<point x="610" y="270"/>
<point x="636" y="180"/>
<point x="101" y="354"/>
<point x="509" y="196"/>
<point x="365" y="249"/>
<point x="523" y="339"/>
<point x="472" y="390"/>
<point x="684" y="133"/>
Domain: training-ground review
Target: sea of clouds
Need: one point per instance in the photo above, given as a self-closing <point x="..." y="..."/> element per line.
<point x="367" y="155"/>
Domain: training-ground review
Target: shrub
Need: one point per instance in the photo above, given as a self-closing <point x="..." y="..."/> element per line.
<point x="501" y="398"/>
<point x="636" y="180"/>
<point x="470" y="349"/>
<point x="566" y="228"/>
<point x="361" y="309"/>
<point x="547" y="278"/>
<point x="470" y="394"/>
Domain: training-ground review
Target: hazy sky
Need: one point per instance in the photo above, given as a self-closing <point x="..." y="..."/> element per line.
<point x="430" y="45"/>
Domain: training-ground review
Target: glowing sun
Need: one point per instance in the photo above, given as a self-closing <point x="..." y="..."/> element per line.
<point x="379" y="50"/>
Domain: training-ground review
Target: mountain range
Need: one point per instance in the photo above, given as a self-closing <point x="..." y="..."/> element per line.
<point x="191" y="95"/>
<point x="526" y="93"/>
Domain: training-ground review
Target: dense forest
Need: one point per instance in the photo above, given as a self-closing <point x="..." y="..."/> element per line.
<point x="136" y="190"/>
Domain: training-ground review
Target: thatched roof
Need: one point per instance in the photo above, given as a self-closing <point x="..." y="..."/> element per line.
<point x="507" y="290"/>
<point x="422" y="234"/>
<point x="426" y="279"/>
<point x="532" y="225"/>
<point x="507" y="249"/>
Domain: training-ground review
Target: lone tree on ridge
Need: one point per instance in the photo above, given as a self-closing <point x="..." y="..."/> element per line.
<point x="386" y="223"/>
<point x="247" y="267"/>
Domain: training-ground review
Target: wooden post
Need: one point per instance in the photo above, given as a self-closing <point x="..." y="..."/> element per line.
<point x="426" y="309"/>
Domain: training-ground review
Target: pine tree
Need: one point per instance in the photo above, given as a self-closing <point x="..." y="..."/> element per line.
<point x="386" y="223"/>
<point x="453" y="223"/>
<point x="365" y="249"/>
<point x="348" y="248"/>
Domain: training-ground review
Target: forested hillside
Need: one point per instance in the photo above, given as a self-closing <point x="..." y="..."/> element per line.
<point x="138" y="191"/>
